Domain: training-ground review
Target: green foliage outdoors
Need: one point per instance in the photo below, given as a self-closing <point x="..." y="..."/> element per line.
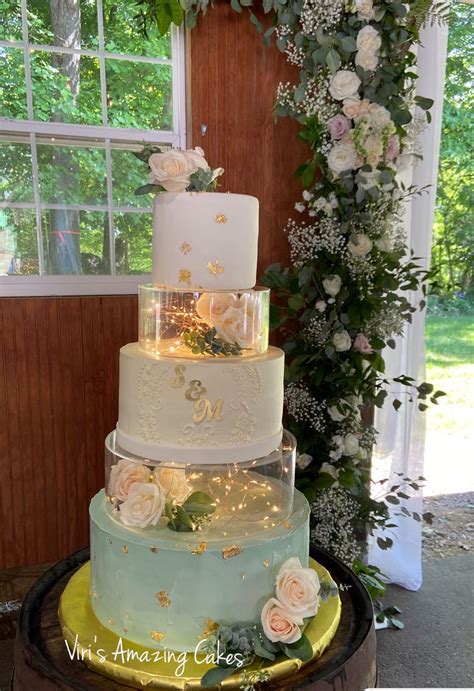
<point x="139" y="96"/>
<point x="453" y="233"/>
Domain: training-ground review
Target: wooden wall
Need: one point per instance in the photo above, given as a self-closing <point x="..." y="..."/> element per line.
<point x="59" y="356"/>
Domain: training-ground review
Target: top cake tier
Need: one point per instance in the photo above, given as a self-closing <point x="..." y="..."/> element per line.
<point x="205" y="240"/>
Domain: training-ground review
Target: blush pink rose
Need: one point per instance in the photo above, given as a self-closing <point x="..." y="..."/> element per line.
<point x="338" y="126"/>
<point x="279" y="625"/>
<point x="393" y="147"/>
<point x="362" y="344"/>
<point x="297" y="588"/>
<point x="123" y="475"/>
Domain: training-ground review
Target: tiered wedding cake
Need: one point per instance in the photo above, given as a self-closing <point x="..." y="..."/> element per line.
<point x="199" y="513"/>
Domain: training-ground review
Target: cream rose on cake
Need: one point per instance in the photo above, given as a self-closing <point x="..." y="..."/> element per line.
<point x="211" y="306"/>
<point x="234" y="319"/>
<point x="173" y="169"/>
<point x="144" y="505"/>
<point x="173" y="482"/>
<point x="123" y="475"/>
<point x="297" y="589"/>
<point x="278" y="624"/>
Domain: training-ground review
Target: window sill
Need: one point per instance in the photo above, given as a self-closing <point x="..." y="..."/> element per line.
<point x="43" y="286"/>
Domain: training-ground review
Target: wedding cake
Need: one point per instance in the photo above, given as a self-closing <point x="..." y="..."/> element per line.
<point x="199" y="534"/>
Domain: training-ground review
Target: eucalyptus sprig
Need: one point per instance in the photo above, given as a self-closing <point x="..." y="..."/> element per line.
<point x="208" y="342"/>
<point x="192" y="514"/>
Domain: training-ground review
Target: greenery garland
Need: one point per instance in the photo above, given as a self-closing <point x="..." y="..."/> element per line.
<point x="343" y="299"/>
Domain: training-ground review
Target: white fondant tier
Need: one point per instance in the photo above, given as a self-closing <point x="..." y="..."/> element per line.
<point x="159" y="590"/>
<point x="205" y="240"/>
<point x="200" y="411"/>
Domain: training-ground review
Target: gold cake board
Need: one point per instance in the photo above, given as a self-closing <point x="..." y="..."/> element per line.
<point x="92" y="642"/>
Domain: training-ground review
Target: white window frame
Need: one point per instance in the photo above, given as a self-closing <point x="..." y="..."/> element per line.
<point x="31" y="131"/>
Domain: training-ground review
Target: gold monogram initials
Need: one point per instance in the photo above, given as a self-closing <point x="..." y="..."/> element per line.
<point x="178" y="381"/>
<point x="205" y="409"/>
<point x="195" y="391"/>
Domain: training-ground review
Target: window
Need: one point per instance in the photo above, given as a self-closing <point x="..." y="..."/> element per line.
<point x="80" y="90"/>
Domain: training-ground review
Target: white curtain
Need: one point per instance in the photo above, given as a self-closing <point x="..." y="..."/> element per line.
<point x="400" y="445"/>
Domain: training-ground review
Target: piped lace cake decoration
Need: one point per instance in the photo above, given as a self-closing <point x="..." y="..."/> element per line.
<point x="149" y="385"/>
<point x="215" y="268"/>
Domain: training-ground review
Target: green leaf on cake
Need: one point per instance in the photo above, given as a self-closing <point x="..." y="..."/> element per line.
<point x="199" y="502"/>
<point x="214" y="676"/>
<point x="301" y="650"/>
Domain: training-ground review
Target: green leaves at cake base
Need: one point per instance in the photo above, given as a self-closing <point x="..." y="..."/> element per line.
<point x="209" y="343"/>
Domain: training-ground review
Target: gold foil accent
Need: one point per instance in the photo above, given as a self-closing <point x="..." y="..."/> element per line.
<point x="221" y="218"/>
<point x="157" y="635"/>
<point x="210" y="627"/>
<point x="266" y="563"/>
<point x="163" y="599"/>
<point x="125" y="549"/>
<point x="185" y="248"/>
<point x="199" y="549"/>
<point x="287" y="525"/>
<point x="93" y="594"/>
<point x="154" y="549"/>
<point x="184" y="276"/>
<point x="215" y="268"/>
<point x="110" y="621"/>
<point x="205" y="409"/>
<point x="178" y="381"/>
<point x="195" y="390"/>
<point x="232" y="551"/>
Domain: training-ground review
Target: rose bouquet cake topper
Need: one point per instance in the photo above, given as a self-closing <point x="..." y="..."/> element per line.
<point x="177" y="170"/>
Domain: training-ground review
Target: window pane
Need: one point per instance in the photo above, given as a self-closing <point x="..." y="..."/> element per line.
<point x="66" y="24"/>
<point x="16" y="183"/>
<point x="12" y="84"/>
<point x="121" y="36"/>
<point x="72" y="175"/>
<point x="18" y="246"/>
<point x="139" y="94"/>
<point x="66" y="88"/>
<point x="10" y="20"/>
<point x="133" y="233"/>
<point x="76" y="242"/>
<point x="128" y="174"/>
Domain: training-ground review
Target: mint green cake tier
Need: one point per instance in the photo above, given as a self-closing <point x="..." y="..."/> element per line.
<point x="165" y="589"/>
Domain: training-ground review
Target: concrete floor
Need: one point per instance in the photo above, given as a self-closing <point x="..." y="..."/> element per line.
<point x="436" y="648"/>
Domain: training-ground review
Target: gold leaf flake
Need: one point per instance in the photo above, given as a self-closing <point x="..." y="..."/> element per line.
<point x="221" y="218"/>
<point x="163" y="599"/>
<point x="287" y="525"/>
<point x="185" y="248"/>
<point x="210" y="627"/>
<point x="184" y="276"/>
<point x="153" y="549"/>
<point x="266" y="563"/>
<point x="232" y="551"/>
<point x="93" y="594"/>
<point x="215" y="268"/>
<point x="125" y="549"/>
<point x="157" y="635"/>
<point x="199" y="549"/>
<point x="111" y="622"/>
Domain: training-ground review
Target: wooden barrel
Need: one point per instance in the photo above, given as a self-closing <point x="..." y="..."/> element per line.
<point x="42" y="663"/>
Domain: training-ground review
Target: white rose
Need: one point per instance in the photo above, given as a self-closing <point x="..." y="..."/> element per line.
<point x="379" y="116"/>
<point x="350" y="106"/>
<point x="303" y="460"/>
<point x="297" y="589"/>
<point x="365" y="9"/>
<point x="335" y="414"/>
<point x="341" y="341"/>
<point x="374" y="149"/>
<point x="366" y="59"/>
<point x="320" y="305"/>
<point x="344" y="84"/>
<point x="173" y="169"/>
<point x="173" y="482"/>
<point x="211" y="306"/>
<point x="359" y="245"/>
<point x="236" y="326"/>
<point x="368" y="39"/>
<point x="279" y="625"/>
<point x="320" y="203"/>
<point x="384" y="244"/>
<point x="342" y="157"/>
<point x="351" y="444"/>
<point x="143" y="506"/>
<point x="368" y="180"/>
<point x="332" y="284"/>
<point x="123" y="475"/>
<point x="329" y="469"/>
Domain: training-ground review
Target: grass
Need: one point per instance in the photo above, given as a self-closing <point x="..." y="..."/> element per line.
<point x="450" y="367"/>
